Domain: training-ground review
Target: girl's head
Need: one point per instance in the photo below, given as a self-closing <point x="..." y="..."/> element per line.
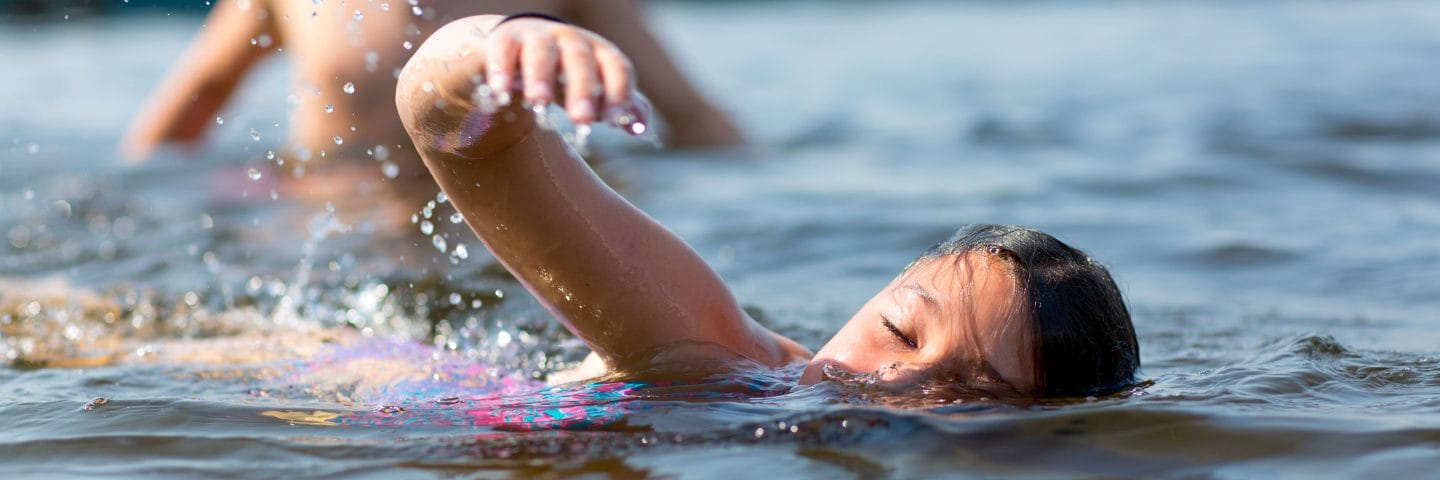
<point x="998" y="308"/>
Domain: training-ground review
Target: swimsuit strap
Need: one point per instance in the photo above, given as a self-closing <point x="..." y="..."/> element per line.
<point x="542" y="16"/>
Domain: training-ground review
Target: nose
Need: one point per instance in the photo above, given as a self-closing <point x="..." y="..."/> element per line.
<point x="812" y="373"/>
<point x="815" y="372"/>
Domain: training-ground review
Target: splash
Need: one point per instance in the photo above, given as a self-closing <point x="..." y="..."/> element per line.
<point x="291" y="309"/>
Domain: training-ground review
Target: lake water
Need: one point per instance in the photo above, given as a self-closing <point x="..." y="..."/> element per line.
<point x="1263" y="178"/>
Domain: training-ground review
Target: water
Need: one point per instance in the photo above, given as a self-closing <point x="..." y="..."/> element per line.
<point x="1263" y="178"/>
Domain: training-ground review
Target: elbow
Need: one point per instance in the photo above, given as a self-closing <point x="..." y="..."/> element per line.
<point x="433" y="121"/>
<point x="446" y="117"/>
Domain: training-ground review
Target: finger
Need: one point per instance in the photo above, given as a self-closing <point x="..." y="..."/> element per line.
<point x="582" y="80"/>
<point x="502" y="53"/>
<point x="639" y="112"/>
<point x="538" y="60"/>
<point x="617" y="74"/>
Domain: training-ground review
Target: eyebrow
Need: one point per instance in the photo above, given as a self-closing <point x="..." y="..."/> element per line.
<point x="923" y="293"/>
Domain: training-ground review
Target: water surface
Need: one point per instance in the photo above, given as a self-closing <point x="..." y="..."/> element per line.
<point x="1262" y="177"/>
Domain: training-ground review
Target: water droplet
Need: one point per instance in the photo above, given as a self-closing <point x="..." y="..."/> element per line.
<point x="447" y="400"/>
<point x="269" y="154"/>
<point x="381" y="153"/>
<point x="457" y="217"/>
<point x="219" y="120"/>
<point x="438" y="242"/>
<point x="426" y="227"/>
<point x="582" y="138"/>
<point x="407" y="43"/>
<point x="388" y="409"/>
<point x="317" y="2"/>
<point x="359" y="16"/>
<point x="329" y="108"/>
<point x="384" y="7"/>
<point x="338" y="140"/>
<point x="461" y="252"/>
<point x="759" y="432"/>
<point x="416" y="11"/>
<point x="253" y="174"/>
<point x="33" y="148"/>
<point x="455" y="299"/>
<point x="254" y="135"/>
<point x="349" y="88"/>
<point x="372" y="61"/>
<point x="391" y="170"/>
<point x="441" y="198"/>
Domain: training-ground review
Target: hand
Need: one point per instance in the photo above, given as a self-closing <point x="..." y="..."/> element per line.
<point x="457" y="93"/>
<point x="555" y="63"/>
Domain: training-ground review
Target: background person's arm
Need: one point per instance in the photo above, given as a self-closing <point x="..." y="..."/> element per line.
<point x="187" y="101"/>
<point x="692" y="120"/>
<point x="632" y="290"/>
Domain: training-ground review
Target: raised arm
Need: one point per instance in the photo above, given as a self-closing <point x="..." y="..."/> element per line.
<point x="195" y="89"/>
<point x="632" y="290"/>
<point x="693" y="120"/>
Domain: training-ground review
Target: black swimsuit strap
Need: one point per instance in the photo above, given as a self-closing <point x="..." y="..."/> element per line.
<point x="516" y="16"/>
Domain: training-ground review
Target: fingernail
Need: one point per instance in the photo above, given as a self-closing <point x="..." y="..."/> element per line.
<point x="612" y="115"/>
<point x="538" y="90"/>
<point x="484" y="99"/>
<point x="584" y="109"/>
<point x="498" y="81"/>
<point x="582" y="139"/>
<point x="542" y="117"/>
<point x="624" y="119"/>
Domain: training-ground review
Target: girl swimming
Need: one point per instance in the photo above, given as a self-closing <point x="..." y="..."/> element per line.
<point x="1003" y="309"/>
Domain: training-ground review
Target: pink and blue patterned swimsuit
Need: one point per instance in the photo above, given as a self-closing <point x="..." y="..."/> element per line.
<point x="459" y="392"/>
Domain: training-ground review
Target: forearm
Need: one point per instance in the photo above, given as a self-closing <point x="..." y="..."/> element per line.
<point x="626" y="285"/>
<point x="177" y="113"/>
<point x="195" y="89"/>
<point x="601" y="266"/>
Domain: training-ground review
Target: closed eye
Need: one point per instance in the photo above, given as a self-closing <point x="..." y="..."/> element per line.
<point x="898" y="334"/>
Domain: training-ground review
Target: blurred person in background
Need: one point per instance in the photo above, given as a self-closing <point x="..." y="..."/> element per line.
<point x="346" y="56"/>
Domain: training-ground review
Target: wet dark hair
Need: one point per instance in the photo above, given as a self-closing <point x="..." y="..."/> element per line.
<point x="1084" y="341"/>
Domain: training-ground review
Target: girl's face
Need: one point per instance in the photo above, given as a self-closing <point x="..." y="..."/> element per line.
<point x="957" y="318"/>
